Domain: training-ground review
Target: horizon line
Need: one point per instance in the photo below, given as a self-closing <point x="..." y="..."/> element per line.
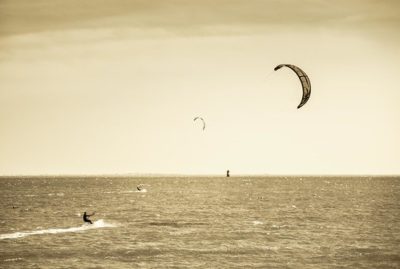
<point x="194" y="174"/>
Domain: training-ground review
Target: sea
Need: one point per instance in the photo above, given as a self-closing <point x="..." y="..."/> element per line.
<point x="200" y="222"/>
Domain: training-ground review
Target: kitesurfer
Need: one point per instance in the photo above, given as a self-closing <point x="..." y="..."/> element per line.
<point x="227" y="173"/>
<point x="140" y="187"/>
<point x="85" y="217"/>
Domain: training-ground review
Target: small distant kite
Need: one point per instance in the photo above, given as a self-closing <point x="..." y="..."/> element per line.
<point x="200" y="118"/>
<point x="305" y="82"/>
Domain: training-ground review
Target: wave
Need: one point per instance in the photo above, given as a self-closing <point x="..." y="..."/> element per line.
<point x="257" y="222"/>
<point x="96" y="225"/>
<point x="13" y="259"/>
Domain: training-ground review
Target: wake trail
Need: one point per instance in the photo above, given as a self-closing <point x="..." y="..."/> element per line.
<point x="96" y="225"/>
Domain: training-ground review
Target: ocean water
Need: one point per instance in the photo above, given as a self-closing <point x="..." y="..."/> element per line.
<point x="200" y="222"/>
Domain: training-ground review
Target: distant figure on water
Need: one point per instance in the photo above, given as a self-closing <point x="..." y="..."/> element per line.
<point x="85" y="217"/>
<point x="227" y="173"/>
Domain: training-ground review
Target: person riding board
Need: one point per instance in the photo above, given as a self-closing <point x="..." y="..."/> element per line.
<point x="85" y="217"/>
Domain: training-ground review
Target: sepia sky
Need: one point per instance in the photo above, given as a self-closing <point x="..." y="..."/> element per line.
<point x="101" y="86"/>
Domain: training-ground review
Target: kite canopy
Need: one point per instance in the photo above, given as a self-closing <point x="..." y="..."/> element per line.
<point x="305" y="82"/>
<point x="200" y="118"/>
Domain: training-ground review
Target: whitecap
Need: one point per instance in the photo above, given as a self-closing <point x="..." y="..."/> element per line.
<point x="257" y="222"/>
<point x="274" y="248"/>
<point x="13" y="259"/>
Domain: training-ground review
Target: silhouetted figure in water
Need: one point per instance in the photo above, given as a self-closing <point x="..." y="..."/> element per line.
<point x="227" y="173"/>
<point x="85" y="217"/>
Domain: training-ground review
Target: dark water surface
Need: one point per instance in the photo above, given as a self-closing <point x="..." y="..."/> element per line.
<point x="204" y="222"/>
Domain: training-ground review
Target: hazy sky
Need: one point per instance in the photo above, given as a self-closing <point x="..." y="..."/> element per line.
<point x="112" y="86"/>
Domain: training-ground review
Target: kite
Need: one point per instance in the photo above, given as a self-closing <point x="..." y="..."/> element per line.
<point x="305" y="82"/>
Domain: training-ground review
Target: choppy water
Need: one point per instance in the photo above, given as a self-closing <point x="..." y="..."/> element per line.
<point x="205" y="222"/>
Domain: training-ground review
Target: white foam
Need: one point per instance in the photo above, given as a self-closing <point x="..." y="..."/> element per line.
<point x="257" y="222"/>
<point x="97" y="224"/>
<point x="13" y="259"/>
<point x="142" y="190"/>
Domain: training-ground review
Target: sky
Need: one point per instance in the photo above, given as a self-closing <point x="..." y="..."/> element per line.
<point x="104" y="87"/>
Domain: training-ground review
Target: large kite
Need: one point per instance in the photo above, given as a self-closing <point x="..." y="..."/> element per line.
<point x="305" y="82"/>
